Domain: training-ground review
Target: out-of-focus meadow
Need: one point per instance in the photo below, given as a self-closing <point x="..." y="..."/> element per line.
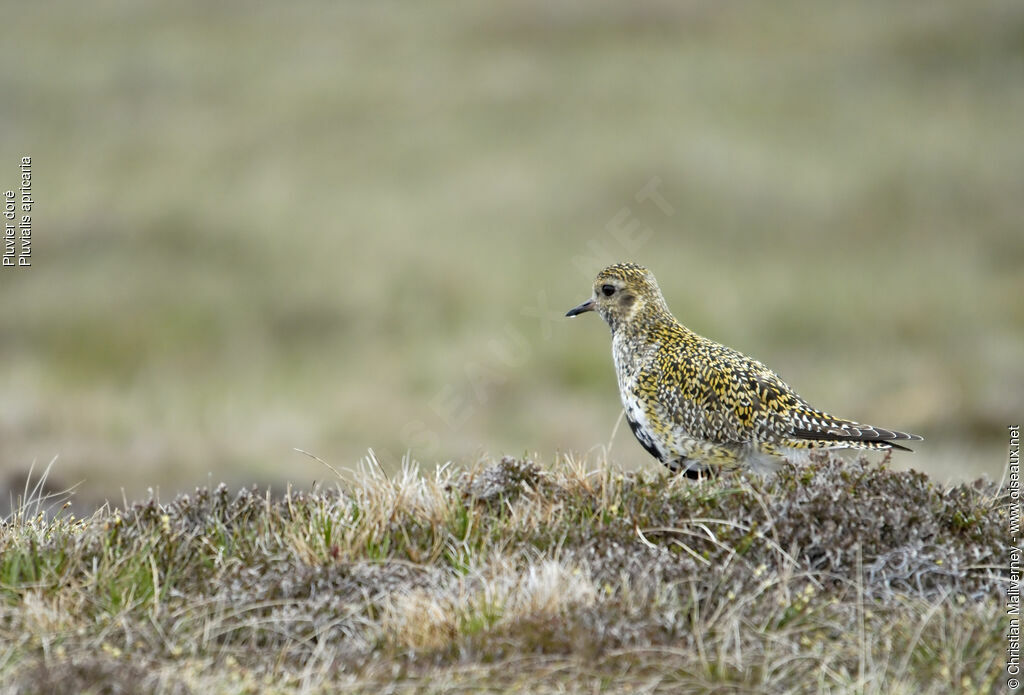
<point x="338" y="226"/>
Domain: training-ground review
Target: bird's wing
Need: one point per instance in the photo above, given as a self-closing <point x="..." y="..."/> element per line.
<point x="726" y="397"/>
<point x="773" y="401"/>
<point x="802" y="422"/>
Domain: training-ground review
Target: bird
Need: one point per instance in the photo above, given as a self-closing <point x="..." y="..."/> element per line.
<point x="700" y="407"/>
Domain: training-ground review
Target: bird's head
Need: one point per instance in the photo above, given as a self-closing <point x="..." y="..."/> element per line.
<point x="622" y="294"/>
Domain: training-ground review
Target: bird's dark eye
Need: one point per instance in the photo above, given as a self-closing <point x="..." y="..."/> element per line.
<point x="607" y="290"/>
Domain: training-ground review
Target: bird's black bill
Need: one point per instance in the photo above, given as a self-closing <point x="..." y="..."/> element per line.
<point x="581" y="309"/>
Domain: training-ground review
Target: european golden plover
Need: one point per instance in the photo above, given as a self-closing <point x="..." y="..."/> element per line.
<point x="698" y="406"/>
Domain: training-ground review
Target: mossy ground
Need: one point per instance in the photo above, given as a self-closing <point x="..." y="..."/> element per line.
<point x="839" y="576"/>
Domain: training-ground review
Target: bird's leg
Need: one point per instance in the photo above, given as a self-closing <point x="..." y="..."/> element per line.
<point x="694" y="470"/>
<point x="695" y="458"/>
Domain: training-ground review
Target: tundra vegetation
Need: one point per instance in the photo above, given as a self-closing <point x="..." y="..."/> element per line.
<point x="840" y="576"/>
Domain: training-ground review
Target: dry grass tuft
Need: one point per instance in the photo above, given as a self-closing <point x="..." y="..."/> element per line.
<point x="837" y="577"/>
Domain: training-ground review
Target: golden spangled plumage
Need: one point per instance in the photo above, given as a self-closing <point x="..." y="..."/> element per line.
<point x="699" y="406"/>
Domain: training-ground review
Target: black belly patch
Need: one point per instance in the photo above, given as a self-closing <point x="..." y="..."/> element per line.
<point x="688" y="468"/>
<point x="643" y="437"/>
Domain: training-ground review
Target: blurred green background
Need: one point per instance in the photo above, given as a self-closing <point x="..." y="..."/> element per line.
<point x="338" y="226"/>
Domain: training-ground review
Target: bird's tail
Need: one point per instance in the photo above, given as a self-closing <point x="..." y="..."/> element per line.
<point x="815" y="429"/>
